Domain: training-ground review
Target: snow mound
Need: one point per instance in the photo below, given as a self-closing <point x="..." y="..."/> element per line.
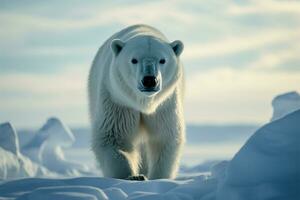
<point x="12" y="163"/>
<point x="52" y="134"/>
<point x="218" y="170"/>
<point x="46" y="148"/>
<point x="268" y="165"/>
<point x="14" y="166"/>
<point x="8" y="138"/>
<point x="284" y="104"/>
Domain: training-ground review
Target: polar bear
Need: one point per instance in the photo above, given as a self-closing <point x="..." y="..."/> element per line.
<point x="136" y="104"/>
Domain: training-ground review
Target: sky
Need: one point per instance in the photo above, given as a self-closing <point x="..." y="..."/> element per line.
<point x="238" y="55"/>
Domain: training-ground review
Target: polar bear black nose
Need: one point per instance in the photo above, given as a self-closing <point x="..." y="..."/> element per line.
<point x="149" y="81"/>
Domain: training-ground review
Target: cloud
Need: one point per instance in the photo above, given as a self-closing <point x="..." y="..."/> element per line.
<point x="29" y="99"/>
<point x="235" y="44"/>
<point x="66" y="82"/>
<point x="266" y="7"/>
<point x="227" y="95"/>
<point x="33" y="33"/>
<point x="16" y="23"/>
<point x="276" y="60"/>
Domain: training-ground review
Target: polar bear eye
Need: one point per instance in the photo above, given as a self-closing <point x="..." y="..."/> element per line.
<point x="134" y="61"/>
<point x="162" y="61"/>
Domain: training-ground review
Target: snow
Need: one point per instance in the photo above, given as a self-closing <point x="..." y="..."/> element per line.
<point x="14" y="166"/>
<point x="8" y="138"/>
<point x="46" y="148"/>
<point x="284" y="104"/>
<point x="266" y="167"/>
<point x="52" y="135"/>
<point x="12" y="163"/>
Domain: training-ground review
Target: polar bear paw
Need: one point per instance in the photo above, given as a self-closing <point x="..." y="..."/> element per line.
<point x="139" y="177"/>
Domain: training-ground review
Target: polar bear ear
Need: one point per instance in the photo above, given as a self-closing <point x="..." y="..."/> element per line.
<point x="177" y="47"/>
<point x="116" y="46"/>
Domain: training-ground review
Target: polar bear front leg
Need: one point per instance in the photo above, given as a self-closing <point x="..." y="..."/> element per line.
<point x="116" y="163"/>
<point x="113" y="143"/>
<point x="163" y="158"/>
<point x="166" y="133"/>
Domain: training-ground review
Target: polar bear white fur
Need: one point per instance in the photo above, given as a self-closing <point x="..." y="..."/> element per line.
<point x="135" y="102"/>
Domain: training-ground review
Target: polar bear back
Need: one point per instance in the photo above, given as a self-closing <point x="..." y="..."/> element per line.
<point x="136" y="30"/>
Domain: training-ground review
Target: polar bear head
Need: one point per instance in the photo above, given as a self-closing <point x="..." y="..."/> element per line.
<point x="145" y="71"/>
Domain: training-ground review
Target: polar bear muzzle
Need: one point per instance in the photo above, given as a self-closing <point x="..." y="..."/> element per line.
<point x="150" y="76"/>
